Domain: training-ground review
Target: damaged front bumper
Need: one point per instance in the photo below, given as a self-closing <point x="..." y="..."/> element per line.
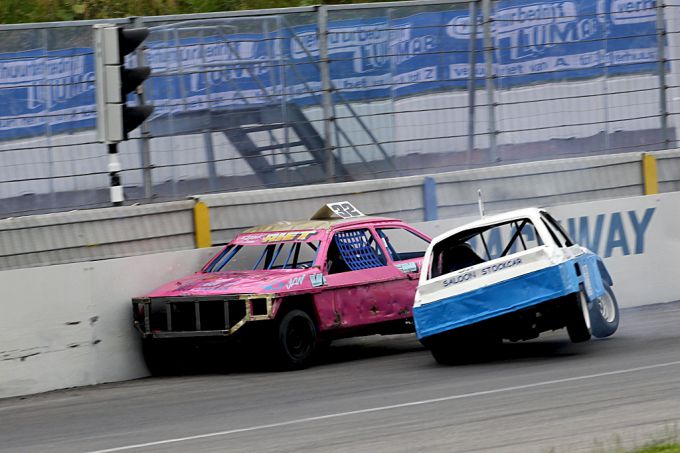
<point x="205" y="316"/>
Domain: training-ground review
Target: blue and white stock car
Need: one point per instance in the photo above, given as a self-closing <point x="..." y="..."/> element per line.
<point x="509" y="276"/>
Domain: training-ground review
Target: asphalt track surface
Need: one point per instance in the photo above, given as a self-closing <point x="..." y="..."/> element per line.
<point x="385" y="394"/>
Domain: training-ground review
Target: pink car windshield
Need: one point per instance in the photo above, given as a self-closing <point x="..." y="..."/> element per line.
<point x="277" y="255"/>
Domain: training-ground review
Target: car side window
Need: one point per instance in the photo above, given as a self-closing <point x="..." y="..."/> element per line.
<point x="556" y="231"/>
<point x="402" y="244"/>
<point x="353" y="250"/>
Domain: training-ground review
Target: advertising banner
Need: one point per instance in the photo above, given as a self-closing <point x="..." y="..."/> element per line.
<point x="46" y="92"/>
<point x="370" y="58"/>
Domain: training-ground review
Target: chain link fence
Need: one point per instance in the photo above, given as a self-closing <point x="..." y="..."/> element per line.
<point x="298" y="96"/>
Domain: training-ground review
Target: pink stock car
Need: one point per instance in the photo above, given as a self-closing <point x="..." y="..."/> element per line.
<point x="292" y="286"/>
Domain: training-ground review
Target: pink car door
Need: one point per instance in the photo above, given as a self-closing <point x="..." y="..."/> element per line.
<point x="405" y="248"/>
<point x="364" y="282"/>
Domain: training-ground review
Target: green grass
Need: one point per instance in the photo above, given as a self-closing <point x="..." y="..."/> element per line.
<point x="666" y="447"/>
<point x="22" y="11"/>
<point x="666" y="440"/>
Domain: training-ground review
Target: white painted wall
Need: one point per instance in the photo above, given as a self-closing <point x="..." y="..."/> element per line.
<point x="641" y="277"/>
<point x="70" y="325"/>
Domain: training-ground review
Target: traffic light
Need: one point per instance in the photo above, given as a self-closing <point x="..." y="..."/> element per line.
<point x="114" y="81"/>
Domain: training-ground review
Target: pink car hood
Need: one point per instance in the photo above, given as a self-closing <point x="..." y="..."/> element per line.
<point x="237" y="282"/>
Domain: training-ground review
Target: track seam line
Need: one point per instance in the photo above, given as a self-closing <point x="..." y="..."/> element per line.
<point x="384" y="408"/>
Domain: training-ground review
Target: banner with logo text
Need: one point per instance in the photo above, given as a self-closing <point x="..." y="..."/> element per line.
<point x="47" y="92"/>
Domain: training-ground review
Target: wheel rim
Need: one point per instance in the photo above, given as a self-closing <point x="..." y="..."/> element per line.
<point x="299" y="338"/>
<point x="606" y="306"/>
<point x="584" y="309"/>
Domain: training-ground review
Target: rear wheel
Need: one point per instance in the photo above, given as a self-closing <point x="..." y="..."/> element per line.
<point x="604" y="314"/>
<point x="578" y="325"/>
<point x="296" y="338"/>
<point x="464" y="347"/>
<point x="443" y="351"/>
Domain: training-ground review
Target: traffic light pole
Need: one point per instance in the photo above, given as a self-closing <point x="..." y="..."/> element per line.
<point x="114" y="81"/>
<point x="145" y="140"/>
<point x="116" y="188"/>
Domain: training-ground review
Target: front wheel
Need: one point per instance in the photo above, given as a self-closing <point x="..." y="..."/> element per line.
<point x="161" y="358"/>
<point x="296" y="338"/>
<point x="578" y="324"/>
<point x="604" y="314"/>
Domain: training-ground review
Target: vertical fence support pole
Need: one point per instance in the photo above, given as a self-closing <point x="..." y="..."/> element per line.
<point x="672" y="53"/>
<point x="472" y="80"/>
<point x="327" y="95"/>
<point x="48" y="120"/>
<point x="145" y="142"/>
<point x="661" y="50"/>
<point x="490" y="77"/>
<point x="210" y="156"/>
<point x="207" y="133"/>
<point x="274" y="52"/>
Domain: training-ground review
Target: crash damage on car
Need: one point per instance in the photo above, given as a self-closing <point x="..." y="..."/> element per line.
<point x="292" y="286"/>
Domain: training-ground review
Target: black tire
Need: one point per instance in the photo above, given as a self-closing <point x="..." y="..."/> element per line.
<point x="458" y="348"/>
<point x="578" y="322"/>
<point x="604" y="314"/>
<point x="444" y="351"/>
<point x="159" y="358"/>
<point x="296" y="340"/>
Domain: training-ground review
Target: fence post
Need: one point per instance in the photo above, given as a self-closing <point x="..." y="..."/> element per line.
<point x="672" y="29"/>
<point x="48" y="124"/>
<point x="490" y="77"/>
<point x="661" y="50"/>
<point x="145" y="141"/>
<point x="207" y="133"/>
<point x="327" y="94"/>
<point x="472" y="82"/>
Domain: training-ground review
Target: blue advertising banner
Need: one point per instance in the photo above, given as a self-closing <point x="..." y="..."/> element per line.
<point x="543" y="41"/>
<point x="200" y="74"/>
<point x="43" y="92"/>
<point x="534" y="42"/>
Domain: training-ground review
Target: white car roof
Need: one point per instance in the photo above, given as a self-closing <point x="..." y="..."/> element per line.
<point x="493" y="219"/>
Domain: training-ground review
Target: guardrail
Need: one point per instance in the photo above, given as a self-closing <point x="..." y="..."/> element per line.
<point x="95" y="234"/>
<point x="214" y="219"/>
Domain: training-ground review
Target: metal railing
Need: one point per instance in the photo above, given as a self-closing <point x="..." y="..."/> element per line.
<point x="290" y="97"/>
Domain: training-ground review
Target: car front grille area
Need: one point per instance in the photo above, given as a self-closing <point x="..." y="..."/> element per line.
<point x="190" y="315"/>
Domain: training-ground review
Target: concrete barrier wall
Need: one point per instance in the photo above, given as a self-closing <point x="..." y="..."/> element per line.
<point x="95" y="234"/>
<point x="133" y="230"/>
<point x="70" y="325"/>
<point x="504" y="187"/>
<point x="668" y="163"/>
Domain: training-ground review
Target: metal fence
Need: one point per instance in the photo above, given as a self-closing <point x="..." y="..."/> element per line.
<point x="298" y="96"/>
